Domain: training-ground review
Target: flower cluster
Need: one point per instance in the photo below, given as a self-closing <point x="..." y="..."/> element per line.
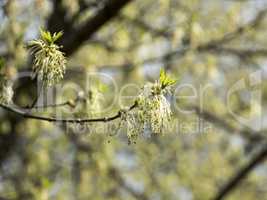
<point x="133" y="123"/>
<point x="6" y="91"/>
<point x="153" y="109"/>
<point x="49" y="62"/>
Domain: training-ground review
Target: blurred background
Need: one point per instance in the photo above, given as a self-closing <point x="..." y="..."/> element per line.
<point x="209" y="45"/>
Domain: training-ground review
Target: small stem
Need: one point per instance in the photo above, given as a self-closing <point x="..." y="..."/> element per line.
<point x="66" y="103"/>
<point x="51" y="119"/>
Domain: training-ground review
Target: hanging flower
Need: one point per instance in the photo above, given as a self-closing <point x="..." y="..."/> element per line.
<point x="153" y="109"/>
<point x="49" y="62"/>
<point x="6" y="91"/>
<point x="134" y="124"/>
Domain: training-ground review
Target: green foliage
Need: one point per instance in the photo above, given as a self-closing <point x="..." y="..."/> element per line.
<point x="165" y="80"/>
<point x="49" y="38"/>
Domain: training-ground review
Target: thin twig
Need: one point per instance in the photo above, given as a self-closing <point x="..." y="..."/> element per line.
<point x="254" y="136"/>
<point x="51" y="119"/>
<point x="240" y="30"/>
<point x="56" y="105"/>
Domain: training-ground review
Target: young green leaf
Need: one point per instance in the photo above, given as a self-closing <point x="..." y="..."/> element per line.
<point x="48" y="37"/>
<point x="56" y="36"/>
<point x="165" y="80"/>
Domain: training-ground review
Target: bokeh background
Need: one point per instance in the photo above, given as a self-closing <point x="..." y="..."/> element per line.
<point x="208" y="45"/>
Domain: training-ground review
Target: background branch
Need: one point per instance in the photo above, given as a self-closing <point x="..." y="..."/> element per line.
<point x="79" y="35"/>
<point x="242" y="174"/>
<point x="51" y="119"/>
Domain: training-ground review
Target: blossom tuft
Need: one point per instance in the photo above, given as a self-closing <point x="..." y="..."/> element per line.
<point x="153" y="111"/>
<point x="49" y="62"/>
<point x="154" y="108"/>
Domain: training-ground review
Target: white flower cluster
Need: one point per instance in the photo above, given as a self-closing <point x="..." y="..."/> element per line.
<point x="6" y="91"/>
<point x="134" y="124"/>
<point x="152" y="111"/>
<point x="49" y="62"/>
<point x="154" y="107"/>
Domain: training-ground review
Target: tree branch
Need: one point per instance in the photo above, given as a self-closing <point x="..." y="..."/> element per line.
<point x="241" y="174"/>
<point x="253" y="136"/>
<point x="143" y="25"/>
<point x="51" y="119"/>
<point x="114" y="173"/>
<point x="253" y="24"/>
<point x="79" y="35"/>
<point x="241" y="53"/>
<point x="70" y="103"/>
